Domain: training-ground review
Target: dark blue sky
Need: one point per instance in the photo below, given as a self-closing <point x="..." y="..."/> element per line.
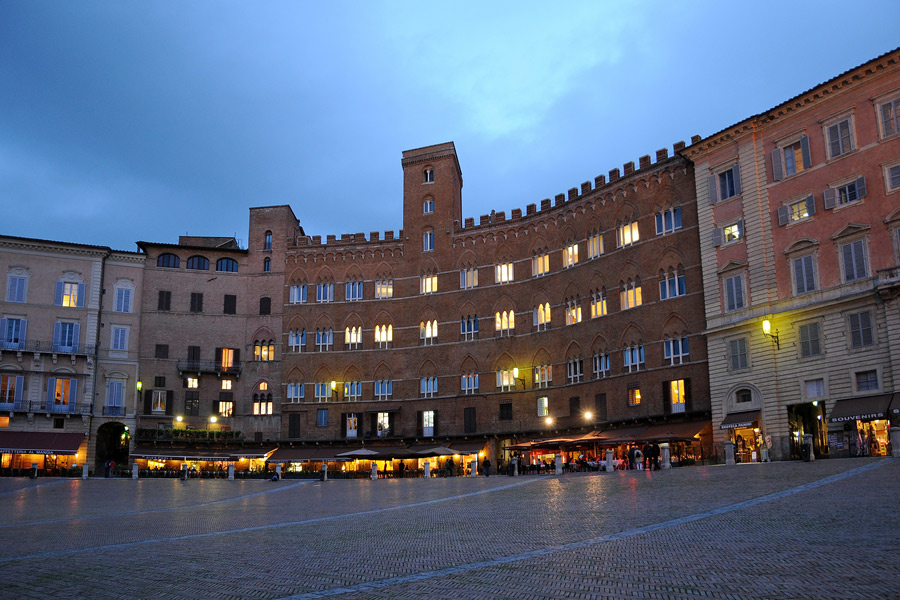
<point x="125" y="121"/>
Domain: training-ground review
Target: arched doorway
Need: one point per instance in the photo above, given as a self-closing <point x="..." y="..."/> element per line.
<point x="112" y="444"/>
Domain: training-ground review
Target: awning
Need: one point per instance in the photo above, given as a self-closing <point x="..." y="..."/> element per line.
<point x="674" y="432"/>
<point x="252" y="452"/>
<point x="895" y="405"/>
<point x="621" y="436"/>
<point x="33" y="442"/>
<point x="861" y="409"/>
<point x="749" y="418"/>
<point x="309" y="454"/>
<point x="183" y="454"/>
<point x="467" y="447"/>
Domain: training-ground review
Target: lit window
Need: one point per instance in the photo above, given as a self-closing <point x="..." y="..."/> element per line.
<point x="297" y="294"/>
<point x="676" y="350"/>
<point x="541" y="316"/>
<point x="384" y="335"/>
<point x="428" y="386"/>
<point x="574" y="370"/>
<point x="601" y="365"/>
<point x="69" y="294"/>
<point x="677" y="395"/>
<point x="158" y="401"/>
<point x="384" y="389"/>
<point x="797" y="211"/>
<point x="468" y="326"/>
<point x="505" y="380"/>
<point x="226" y="384"/>
<point x="193" y="383"/>
<point x="383" y="423"/>
<point x="633" y="357"/>
<point x="505" y="322"/>
<point x="598" y="304"/>
<point x="468" y="278"/>
<point x="543" y="376"/>
<point x="263" y="386"/>
<point x="503" y="272"/>
<point x="570" y="255"/>
<point x="264" y="350"/>
<point x="352" y="337"/>
<point x="540" y="264"/>
<point x="428" y="331"/>
<point x="627" y="234"/>
<point x="384" y="288"/>
<point x="630" y="295"/>
<point x="428" y="419"/>
<point x="634" y="396"/>
<point x="262" y="404"/>
<point x="543" y="406"/>
<point x="429" y="284"/>
<point x="733" y="232"/>
<point x="671" y="285"/>
<point x="595" y="245"/>
<point x="668" y="220"/>
<point x="469" y="383"/>
<point x="573" y="311"/>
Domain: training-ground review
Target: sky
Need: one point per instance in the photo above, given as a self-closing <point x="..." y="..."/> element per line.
<point x="123" y="121"/>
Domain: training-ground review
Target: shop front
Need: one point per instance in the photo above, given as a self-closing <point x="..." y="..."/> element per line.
<point x="199" y="463"/>
<point x="51" y="453"/>
<point x="743" y="430"/>
<point x="861" y="426"/>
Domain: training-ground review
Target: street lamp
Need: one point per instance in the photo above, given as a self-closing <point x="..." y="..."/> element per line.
<point x="767" y="331"/>
<point x="587" y="416"/>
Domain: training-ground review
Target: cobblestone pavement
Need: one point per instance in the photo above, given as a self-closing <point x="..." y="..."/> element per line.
<point x="826" y="529"/>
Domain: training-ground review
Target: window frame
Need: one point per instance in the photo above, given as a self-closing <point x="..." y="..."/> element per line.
<point x="738" y="354"/>
<point x="859" y="258"/>
<point x="808" y="275"/>
<point x="836" y="122"/>
<point x="809" y="346"/>
<point x="893" y="103"/>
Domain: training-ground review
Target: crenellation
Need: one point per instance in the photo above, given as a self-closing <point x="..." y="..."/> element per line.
<point x="388" y="235"/>
<point x="470" y="222"/>
<point x="484" y="220"/>
<point x="573" y="194"/>
<point x="644" y="161"/>
<point x="629" y="167"/>
<point x="559" y="199"/>
<point x="374" y="236"/>
<point x="613" y="175"/>
<point x="678" y="147"/>
<point x="317" y="240"/>
<point x="585" y="188"/>
<point x="599" y="181"/>
<point x="545" y="204"/>
<point x="695" y="139"/>
<point x="516" y="214"/>
<point x="662" y="154"/>
<point x="531" y="209"/>
<point x="498" y="217"/>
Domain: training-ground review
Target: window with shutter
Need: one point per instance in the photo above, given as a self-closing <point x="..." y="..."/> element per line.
<point x="890" y="117"/>
<point x="840" y="141"/>
<point x="804" y="274"/>
<point x="809" y="340"/>
<point x="860" y="329"/>
<point x="853" y="255"/>
<point x="734" y="293"/>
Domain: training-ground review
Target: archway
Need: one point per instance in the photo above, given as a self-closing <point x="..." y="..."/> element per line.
<point x="112" y="444"/>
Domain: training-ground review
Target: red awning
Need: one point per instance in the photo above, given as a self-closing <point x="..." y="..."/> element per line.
<point x="33" y="442"/>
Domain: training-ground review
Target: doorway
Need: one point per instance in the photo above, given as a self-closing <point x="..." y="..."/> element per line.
<point x="112" y="444"/>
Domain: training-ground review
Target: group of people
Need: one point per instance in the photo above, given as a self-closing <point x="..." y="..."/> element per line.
<point x="644" y="459"/>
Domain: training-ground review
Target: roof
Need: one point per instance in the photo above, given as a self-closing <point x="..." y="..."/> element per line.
<point x="39" y="442"/>
<point x="769" y="114"/>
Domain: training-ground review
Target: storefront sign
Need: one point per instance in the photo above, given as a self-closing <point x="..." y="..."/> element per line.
<point x="865" y="417"/>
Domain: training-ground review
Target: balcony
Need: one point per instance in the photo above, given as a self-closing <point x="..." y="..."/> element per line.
<point x="208" y="366"/>
<point x="888" y="278"/>
<point x="44" y="347"/>
<point x="113" y="411"/>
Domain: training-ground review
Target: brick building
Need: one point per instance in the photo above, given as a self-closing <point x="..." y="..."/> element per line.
<point x="586" y="310"/>
<point x="211" y="351"/>
<point x="799" y="220"/>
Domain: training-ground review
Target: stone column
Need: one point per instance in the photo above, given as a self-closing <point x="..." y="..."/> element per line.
<point x="559" y="464"/>
<point x="134" y="471"/>
<point x="278" y="470"/>
<point x="230" y="472"/>
<point x="473" y="467"/>
<point x="427" y="469"/>
<point x="515" y="467"/>
<point x="84" y="470"/>
<point x="374" y="470"/>
<point x="729" y="453"/>
<point x="609" y="461"/>
<point x="665" y="456"/>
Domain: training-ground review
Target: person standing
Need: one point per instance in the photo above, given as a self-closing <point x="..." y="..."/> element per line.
<point x="655" y="454"/>
<point x="450" y="467"/>
<point x="487" y="467"/>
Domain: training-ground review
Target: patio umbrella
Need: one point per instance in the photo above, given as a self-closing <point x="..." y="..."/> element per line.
<point x="362" y="452"/>
<point x="436" y="451"/>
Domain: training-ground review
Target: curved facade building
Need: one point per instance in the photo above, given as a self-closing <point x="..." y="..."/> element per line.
<point x="582" y="313"/>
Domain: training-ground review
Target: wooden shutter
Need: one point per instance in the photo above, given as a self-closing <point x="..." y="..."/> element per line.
<point x="777" y="168"/>
<point x="667" y="397"/>
<point x="736" y="171"/>
<point x="861" y="188"/>
<point x="717" y="237"/>
<point x="80" y="302"/>
<point x="829" y="198"/>
<point x="740" y="225"/>
<point x="783" y="215"/>
<point x="343" y="425"/>
<point x="170" y="400"/>
<point x="20" y="383"/>
<point x="711" y="186"/>
<point x="435" y="430"/>
<point x="51" y="388"/>
<point x="811" y="205"/>
<point x="57" y="297"/>
<point x="420" y="423"/>
<point x="687" y="396"/>
<point x="148" y="402"/>
<point x="73" y="395"/>
<point x="804" y="151"/>
<point x="218" y="358"/>
<point x="76" y="335"/>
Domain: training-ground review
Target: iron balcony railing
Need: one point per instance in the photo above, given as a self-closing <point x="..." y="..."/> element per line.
<point x="208" y="366"/>
<point x="47" y="347"/>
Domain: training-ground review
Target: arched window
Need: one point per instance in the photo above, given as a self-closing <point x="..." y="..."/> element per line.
<point x="384" y="335"/>
<point x="267" y="265"/>
<point x="170" y="261"/>
<point x="505" y="322"/>
<point x="428" y="331"/>
<point x="198" y="263"/>
<point x="268" y="242"/>
<point x="227" y="265"/>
